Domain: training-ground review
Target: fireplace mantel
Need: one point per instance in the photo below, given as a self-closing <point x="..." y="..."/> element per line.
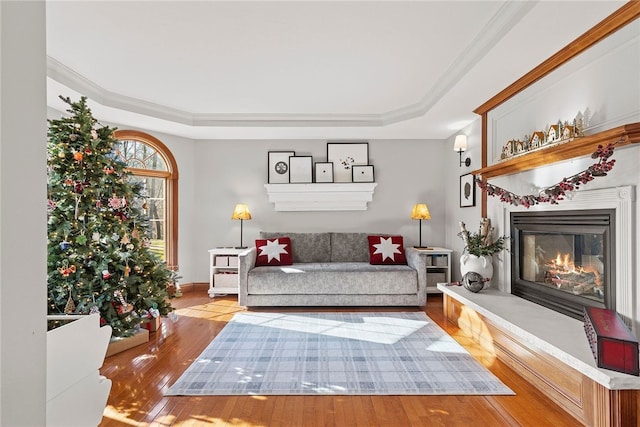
<point x="622" y="199"/>
<point x="623" y="135"/>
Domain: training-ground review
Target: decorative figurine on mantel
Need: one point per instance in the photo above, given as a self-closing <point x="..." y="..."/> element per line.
<point x="554" y="134"/>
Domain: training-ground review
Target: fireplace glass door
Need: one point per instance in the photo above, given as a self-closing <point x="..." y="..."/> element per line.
<point x="562" y="260"/>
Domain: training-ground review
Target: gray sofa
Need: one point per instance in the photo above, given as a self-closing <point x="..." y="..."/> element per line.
<point x="331" y="269"/>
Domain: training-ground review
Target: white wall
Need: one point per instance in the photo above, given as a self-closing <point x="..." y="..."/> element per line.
<point x="455" y="214"/>
<point x="23" y="234"/>
<point x="230" y="172"/>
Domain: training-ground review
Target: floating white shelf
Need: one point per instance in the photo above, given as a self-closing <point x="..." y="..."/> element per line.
<point x="343" y="196"/>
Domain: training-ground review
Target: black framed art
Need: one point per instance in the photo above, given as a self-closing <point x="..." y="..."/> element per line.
<point x="324" y="171"/>
<point x="467" y="191"/>
<point x="344" y="155"/>
<point x="300" y="169"/>
<point x="278" y="163"/>
<point x="362" y="173"/>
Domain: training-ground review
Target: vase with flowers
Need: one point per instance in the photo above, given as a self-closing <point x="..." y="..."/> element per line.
<point x="479" y="248"/>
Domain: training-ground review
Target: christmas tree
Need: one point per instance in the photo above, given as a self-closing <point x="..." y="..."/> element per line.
<point x="99" y="259"/>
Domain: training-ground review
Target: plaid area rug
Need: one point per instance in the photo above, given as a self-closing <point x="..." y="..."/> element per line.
<point x="335" y="353"/>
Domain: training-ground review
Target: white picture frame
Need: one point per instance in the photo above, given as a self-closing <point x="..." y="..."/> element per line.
<point x="300" y="169"/>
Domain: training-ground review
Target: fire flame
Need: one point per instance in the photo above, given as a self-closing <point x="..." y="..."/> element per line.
<point x="565" y="264"/>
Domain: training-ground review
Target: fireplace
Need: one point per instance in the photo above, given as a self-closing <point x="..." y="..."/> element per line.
<point x="564" y="260"/>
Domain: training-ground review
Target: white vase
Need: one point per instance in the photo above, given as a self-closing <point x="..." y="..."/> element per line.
<point x="482" y="265"/>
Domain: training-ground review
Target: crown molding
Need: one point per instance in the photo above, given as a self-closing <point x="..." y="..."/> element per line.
<point x="497" y="27"/>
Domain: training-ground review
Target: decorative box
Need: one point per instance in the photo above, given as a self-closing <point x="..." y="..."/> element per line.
<point x="434" y="278"/>
<point x="225" y="280"/>
<point x="441" y="260"/>
<point x="151" y="324"/>
<point x="613" y="345"/>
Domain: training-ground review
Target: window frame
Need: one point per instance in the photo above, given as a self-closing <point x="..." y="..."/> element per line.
<point x="171" y="196"/>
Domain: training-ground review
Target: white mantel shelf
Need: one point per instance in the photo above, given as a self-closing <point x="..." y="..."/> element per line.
<point x="340" y="196"/>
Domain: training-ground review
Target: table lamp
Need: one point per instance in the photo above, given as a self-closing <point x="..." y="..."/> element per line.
<point x="420" y="211"/>
<point x="241" y="212"/>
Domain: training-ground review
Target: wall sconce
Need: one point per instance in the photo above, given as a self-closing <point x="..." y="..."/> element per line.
<point x="460" y="145"/>
<point x="420" y="211"/>
<point x="241" y="212"/>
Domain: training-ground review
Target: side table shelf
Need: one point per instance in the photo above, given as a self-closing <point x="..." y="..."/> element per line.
<point x="223" y="270"/>
<point x="438" y="262"/>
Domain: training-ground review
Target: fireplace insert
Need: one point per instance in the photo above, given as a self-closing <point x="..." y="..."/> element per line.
<point x="564" y="260"/>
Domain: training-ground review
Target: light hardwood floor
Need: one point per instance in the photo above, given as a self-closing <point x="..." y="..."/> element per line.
<point x="141" y="374"/>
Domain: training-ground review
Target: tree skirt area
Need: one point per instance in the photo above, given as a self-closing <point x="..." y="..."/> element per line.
<point x="356" y="353"/>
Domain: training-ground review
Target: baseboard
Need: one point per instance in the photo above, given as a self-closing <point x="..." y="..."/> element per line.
<point x="197" y="287"/>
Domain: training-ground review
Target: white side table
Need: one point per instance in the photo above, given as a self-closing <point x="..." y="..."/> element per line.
<point x="438" y="262"/>
<point x="223" y="267"/>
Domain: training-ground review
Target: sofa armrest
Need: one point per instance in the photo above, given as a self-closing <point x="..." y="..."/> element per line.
<point x="246" y="262"/>
<point x="419" y="263"/>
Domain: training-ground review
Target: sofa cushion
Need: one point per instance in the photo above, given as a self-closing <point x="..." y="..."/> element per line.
<point x="347" y="247"/>
<point x="336" y="278"/>
<point x="274" y="251"/>
<point x="305" y="247"/>
<point x="386" y="250"/>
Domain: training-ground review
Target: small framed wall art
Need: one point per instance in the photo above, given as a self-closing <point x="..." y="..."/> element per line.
<point x="344" y="155"/>
<point x="362" y="173"/>
<point x="278" y="163"/>
<point x="467" y="191"/>
<point x="300" y="169"/>
<point x="324" y="171"/>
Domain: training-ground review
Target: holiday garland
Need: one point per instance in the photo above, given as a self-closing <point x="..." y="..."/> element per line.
<point x="557" y="192"/>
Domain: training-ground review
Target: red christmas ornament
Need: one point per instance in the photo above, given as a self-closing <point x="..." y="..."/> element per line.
<point x="78" y="187"/>
<point x="78" y="156"/>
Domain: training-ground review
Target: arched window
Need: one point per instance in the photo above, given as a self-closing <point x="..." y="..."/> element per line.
<point x="151" y="163"/>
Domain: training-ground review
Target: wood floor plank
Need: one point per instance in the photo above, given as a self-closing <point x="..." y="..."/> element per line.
<point x="141" y="375"/>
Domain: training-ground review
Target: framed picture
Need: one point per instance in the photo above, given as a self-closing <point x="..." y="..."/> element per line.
<point x="344" y="155"/>
<point x="362" y="173"/>
<point x="279" y="166"/>
<point x="324" y="171"/>
<point x="300" y="169"/>
<point x="467" y="191"/>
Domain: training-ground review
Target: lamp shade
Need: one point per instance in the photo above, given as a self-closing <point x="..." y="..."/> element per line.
<point x="460" y="143"/>
<point x="420" y="211"/>
<point x="241" y="211"/>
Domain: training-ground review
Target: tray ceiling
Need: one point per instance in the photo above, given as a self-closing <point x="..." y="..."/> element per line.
<point x="301" y="69"/>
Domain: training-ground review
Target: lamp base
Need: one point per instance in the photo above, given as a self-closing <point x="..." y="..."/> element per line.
<point x="422" y="247"/>
<point x="240" y="247"/>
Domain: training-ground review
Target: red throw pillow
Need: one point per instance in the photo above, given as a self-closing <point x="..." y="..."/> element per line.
<point x="386" y="250"/>
<point x="274" y="251"/>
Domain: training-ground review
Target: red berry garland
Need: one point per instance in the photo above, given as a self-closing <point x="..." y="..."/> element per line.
<point x="556" y="192"/>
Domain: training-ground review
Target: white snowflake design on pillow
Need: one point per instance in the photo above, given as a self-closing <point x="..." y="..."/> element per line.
<point x="387" y="249"/>
<point x="273" y="249"/>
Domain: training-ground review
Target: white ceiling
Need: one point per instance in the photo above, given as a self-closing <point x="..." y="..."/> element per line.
<point x="301" y="69"/>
